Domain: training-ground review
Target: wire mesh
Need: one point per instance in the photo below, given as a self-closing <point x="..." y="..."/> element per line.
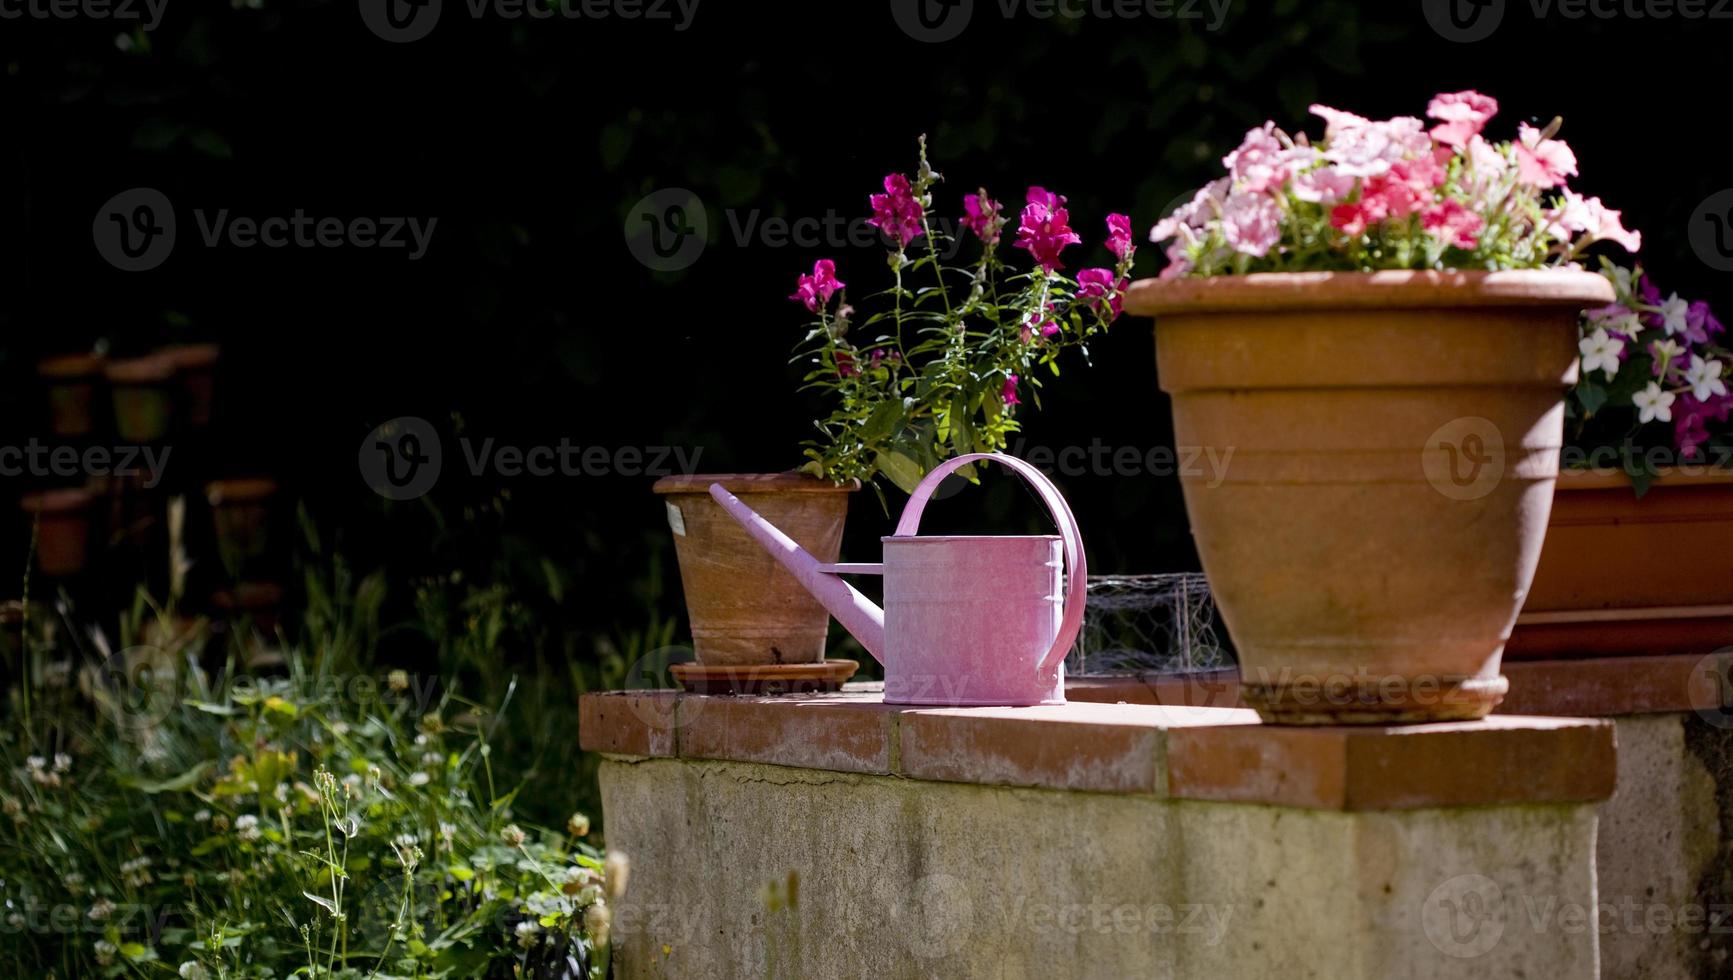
<point x="1148" y="623"/>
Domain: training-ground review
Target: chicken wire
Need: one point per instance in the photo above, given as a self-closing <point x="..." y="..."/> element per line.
<point x="1148" y="623"/>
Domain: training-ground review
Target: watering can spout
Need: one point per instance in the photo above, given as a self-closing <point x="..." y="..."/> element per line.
<point x="857" y="614"/>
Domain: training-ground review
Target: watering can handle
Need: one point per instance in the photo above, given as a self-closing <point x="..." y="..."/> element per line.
<point x="1072" y="621"/>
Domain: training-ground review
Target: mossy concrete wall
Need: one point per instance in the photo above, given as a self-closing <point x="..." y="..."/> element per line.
<point x="754" y="871"/>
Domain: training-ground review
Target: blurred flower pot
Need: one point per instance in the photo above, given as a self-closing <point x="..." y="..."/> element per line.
<point x="1394" y="440"/>
<point x="143" y="399"/>
<point x="258" y="602"/>
<point x="746" y="608"/>
<point x="72" y="384"/>
<point x="62" y="519"/>
<point x="240" y="513"/>
<point x="197" y="367"/>
<point x="1624" y="575"/>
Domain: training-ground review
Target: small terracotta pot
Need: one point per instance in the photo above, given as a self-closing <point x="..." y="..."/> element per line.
<point x="1394" y="438"/>
<point x="240" y="512"/>
<point x="143" y="401"/>
<point x="745" y="608"/>
<point x="259" y="602"/>
<point x="63" y="534"/>
<point x="197" y="367"/>
<point x="1621" y="575"/>
<point x="71" y="380"/>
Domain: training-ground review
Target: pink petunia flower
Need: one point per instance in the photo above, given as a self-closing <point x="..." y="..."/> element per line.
<point x="1252" y="223"/>
<point x="983" y="216"/>
<point x="1098" y="287"/>
<point x="1360" y="147"/>
<point x="1009" y="394"/>
<point x="1577" y="214"/>
<point x="1453" y="223"/>
<point x="1542" y="162"/>
<point x="1119" y="236"/>
<point x="1461" y="116"/>
<point x="1325" y="185"/>
<point x="1045" y="229"/>
<point x="815" y="290"/>
<point x="896" y="212"/>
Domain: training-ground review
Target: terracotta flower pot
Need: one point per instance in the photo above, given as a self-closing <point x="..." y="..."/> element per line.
<point x="1394" y="438"/>
<point x="62" y="520"/>
<point x="240" y="514"/>
<point x="745" y="608"/>
<point x="1621" y="575"/>
<point x="143" y="403"/>
<point x="71" y="380"/>
<point x="197" y="366"/>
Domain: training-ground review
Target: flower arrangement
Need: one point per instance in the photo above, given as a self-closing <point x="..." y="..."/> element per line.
<point x="1393" y="194"/>
<point x="941" y="365"/>
<point x="1650" y="361"/>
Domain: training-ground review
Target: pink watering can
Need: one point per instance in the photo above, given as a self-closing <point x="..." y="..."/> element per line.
<point x="967" y="620"/>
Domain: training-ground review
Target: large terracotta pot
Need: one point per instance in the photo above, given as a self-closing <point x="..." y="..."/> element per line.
<point x="1621" y="575"/>
<point x="61" y="521"/>
<point x="1394" y="438"/>
<point x="72" y="385"/>
<point x="143" y="403"/>
<point x="745" y="608"/>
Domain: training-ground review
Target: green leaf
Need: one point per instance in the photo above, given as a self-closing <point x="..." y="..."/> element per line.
<point x="1592" y="397"/>
<point x="185" y="781"/>
<point x="902" y="470"/>
<point x="883" y="421"/>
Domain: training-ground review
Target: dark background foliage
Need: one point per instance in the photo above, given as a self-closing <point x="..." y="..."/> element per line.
<point x="530" y="141"/>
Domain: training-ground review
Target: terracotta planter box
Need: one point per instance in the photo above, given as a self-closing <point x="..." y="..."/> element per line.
<point x="1623" y="575"/>
<point x="1394" y="438"/>
<point x="746" y="608"/>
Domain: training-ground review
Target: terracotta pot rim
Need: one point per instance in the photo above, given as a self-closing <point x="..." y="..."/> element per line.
<point x="70" y="367"/>
<point x="147" y="370"/>
<point x="1393" y="289"/>
<point x="240" y="490"/>
<point x="792" y="481"/>
<point x="191" y="355"/>
<point x="1611" y="478"/>
<point x="61" y="501"/>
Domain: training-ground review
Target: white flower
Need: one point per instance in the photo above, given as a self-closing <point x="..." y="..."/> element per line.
<point x="16" y="920"/>
<point x="1653" y="403"/>
<point x="105" y="951"/>
<point x="1673" y="313"/>
<point x="578" y="825"/>
<point x="419" y="778"/>
<point x="35" y="763"/>
<point x="512" y="835"/>
<point x="1704" y="377"/>
<point x="202" y="816"/>
<point x="1621" y="278"/>
<point x="247" y="827"/>
<point x="62" y="762"/>
<point x="1665" y="352"/>
<point x="101" y="910"/>
<point x="526" y="933"/>
<point x="1623" y="322"/>
<point x="1601" y="353"/>
<point x="192" y="970"/>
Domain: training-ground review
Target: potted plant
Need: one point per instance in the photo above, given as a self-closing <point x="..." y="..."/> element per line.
<point x="1650" y="480"/>
<point x="143" y="401"/>
<point x="71" y="381"/>
<point x="60" y="522"/>
<point x="1382" y="324"/>
<point x="939" y="366"/>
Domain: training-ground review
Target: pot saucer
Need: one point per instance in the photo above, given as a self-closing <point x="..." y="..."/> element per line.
<point x="827" y="675"/>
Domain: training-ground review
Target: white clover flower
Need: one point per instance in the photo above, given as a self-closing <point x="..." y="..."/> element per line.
<point x="35" y="763"/>
<point x="247" y="827"/>
<point x="105" y="951"/>
<point x="1652" y="403"/>
<point x="202" y="816"/>
<point x="16" y="920"/>
<point x="74" y="883"/>
<point x="432" y="759"/>
<point x="419" y="778"/>
<point x="1601" y="353"/>
<point x="578" y="825"/>
<point x="101" y="910"/>
<point x="62" y="762"/>
<point x="512" y="835"/>
<point x="1704" y="377"/>
<point x="11" y="807"/>
<point x="193" y="970"/>
<point x="527" y="931"/>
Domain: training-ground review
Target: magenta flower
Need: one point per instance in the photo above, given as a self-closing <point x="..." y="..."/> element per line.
<point x="1701" y="324"/>
<point x="983" y="216"/>
<point x="1098" y="287"/>
<point x="896" y="212"/>
<point x="1461" y="116"/>
<point x="1119" y="236"/>
<point x="845" y="365"/>
<point x="1041" y="322"/>
<point x="815" y="290"/>
<point x="1010" y="392"/>
<point x="1046" y="228"/>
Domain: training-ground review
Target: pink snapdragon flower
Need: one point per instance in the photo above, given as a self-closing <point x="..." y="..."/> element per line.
<point x="983" y="216"/>
<point x="1119" y="237"/>
<point x="1045" y="229"/>
<point x="1039" y="322"/>
<point x="845" y="365"/>
<point x="1101" y="289"/>
<point x="1461" y="116"/>
<point x="815" y="290"/>
<point x="1542" y="162"/>
<point x="1009" y="393"/>
<point x="896" y="212"/>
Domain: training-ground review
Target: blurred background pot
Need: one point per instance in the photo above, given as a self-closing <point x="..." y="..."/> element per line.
<point x="1624" y="575"/>
<point x="1394" y="439"/>
<point x="196" y="365"/>
<point x="62" y="519"/>
<point x="143" y="399"/>
<point x="746" y="608"/>
<point x="71" y="380"/>
<point x="240" y="514"/>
